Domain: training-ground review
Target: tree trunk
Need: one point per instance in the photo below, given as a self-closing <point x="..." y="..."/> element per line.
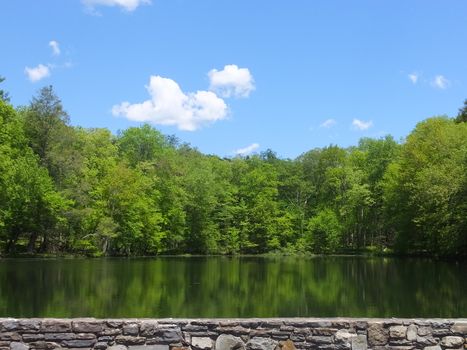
<point x="32" y="242"/>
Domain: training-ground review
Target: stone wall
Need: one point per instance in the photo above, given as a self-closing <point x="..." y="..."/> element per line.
<point x="242" y="334"/>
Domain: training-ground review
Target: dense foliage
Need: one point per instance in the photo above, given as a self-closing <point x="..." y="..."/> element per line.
<point x="86" y="191"/>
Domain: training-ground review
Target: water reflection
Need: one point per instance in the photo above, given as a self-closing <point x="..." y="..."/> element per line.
<point x="233" y="287"/>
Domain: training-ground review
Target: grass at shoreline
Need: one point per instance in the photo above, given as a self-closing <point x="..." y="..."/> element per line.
<point x="364" y="253"/>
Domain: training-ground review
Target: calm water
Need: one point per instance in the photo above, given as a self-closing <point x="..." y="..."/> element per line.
<point x="233" y="287"/>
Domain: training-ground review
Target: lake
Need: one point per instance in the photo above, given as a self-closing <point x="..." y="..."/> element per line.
<point x="233" y="287"/>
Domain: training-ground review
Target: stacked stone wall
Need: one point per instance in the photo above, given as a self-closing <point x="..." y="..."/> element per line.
<point x="241" y="334"/>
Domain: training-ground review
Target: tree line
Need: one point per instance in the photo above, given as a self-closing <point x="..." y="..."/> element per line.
<point x="67" y="189"/>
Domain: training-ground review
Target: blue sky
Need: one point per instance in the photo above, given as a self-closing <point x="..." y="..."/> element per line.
<point x="241" y="76"/>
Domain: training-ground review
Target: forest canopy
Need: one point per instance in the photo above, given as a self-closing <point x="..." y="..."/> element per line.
<point x="67" y="189"/>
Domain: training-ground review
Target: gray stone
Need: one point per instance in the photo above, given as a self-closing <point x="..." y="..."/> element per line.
<point x="228" y="323"/>
<point x="297" y="337"/>
<point x="165" y="324"/>
<point x="39" y="344"/>
<point x="114" y="323"/>
<point x="194" y="328"/>
<point x="202" y="342"/>
<point x="327" y="347"/>
<point x="237" y="330"/>
<point x="101" y="345"/>
<point x="149" y="347"/>
<point x="441" y="324"/>
<point x="459" y="328"/>
<point x="148" y="327"/>
<point x="32" y="337"/>
<point x="130" y="340"/>
<point x="343" y="324"/>
<point x="105" y="338"/>
<point x="320" y="340"/>
<point x="436" y="347"/>
<point x="344" y="336"/>
<point x="324" y="331"/>
<point x="263" y="333"/>
<point x="260" y="343"/>
<point x="361" y="325"/>
<point x="424" y="331"/>
<point x="29" y="324"/>
<point x="441" y="332"/>
<point x="79" y="343"/>
<point x="400" y="342"/>
<point x="85" y="336"/>
<point x="88" y="326"/>
<point x="412" y="332"/>
<point x="359" y="343"/>
<point x="452" y="342"/>
<point x="229" y="342"/>
<point x="18" y="346"/>
<point x="170" y="335"/>
<point x="55" y="326"/>
<point x="59" y="336"/>
<point x="377" y="335"/>
<point x="131" y="329"/>
<point x="272" y="324"/>
<point x="187" y="337"/>
<point x="286" y="328"/>
<point x="209" y="334"/>
<point x="427" y="341"/>
<point x="110" y="331"/>
<point x="165" y="331"/>
<point x="207" y="323"/>
<point x="320" y="324"/>
<point x="165" y="336"/>
<point x="278" y="335"/>
<point x="11" y="336"/>
<point x="9" y="324"/>
<point x="117" y="347"/>
<point x="398" y="332"/>
<point x="44" y="345"/>
<point x="250" y="323"/>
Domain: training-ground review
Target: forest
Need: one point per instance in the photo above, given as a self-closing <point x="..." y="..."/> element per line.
<point x="69" y="190"/>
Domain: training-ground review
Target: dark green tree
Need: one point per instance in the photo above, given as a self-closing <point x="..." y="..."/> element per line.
<point x="462" y="116"/>
<point x="3" y="94"/>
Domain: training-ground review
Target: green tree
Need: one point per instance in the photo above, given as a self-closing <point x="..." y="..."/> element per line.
<point x="426" y="188"/>
<point x="143" y="144"/>
<point x="30" y="207"/>
<point x="3" y="94"/>
<point x="324" y="232"/>
<point x="462" y="115"/>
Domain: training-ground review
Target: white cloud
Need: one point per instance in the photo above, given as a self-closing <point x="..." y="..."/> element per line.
<point x="247" y="150"/>
<point x="231" y="81"/>
<point x="329" y="123"/>
<point x="127" y="5"/>
<point x="440" y="82"/>
<point x="55" y="47"/>
<point x="169" y="105"/>
<point x="37" y="73"/>
<point x="413" y="78"/>
<point x="361" y="125"/>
